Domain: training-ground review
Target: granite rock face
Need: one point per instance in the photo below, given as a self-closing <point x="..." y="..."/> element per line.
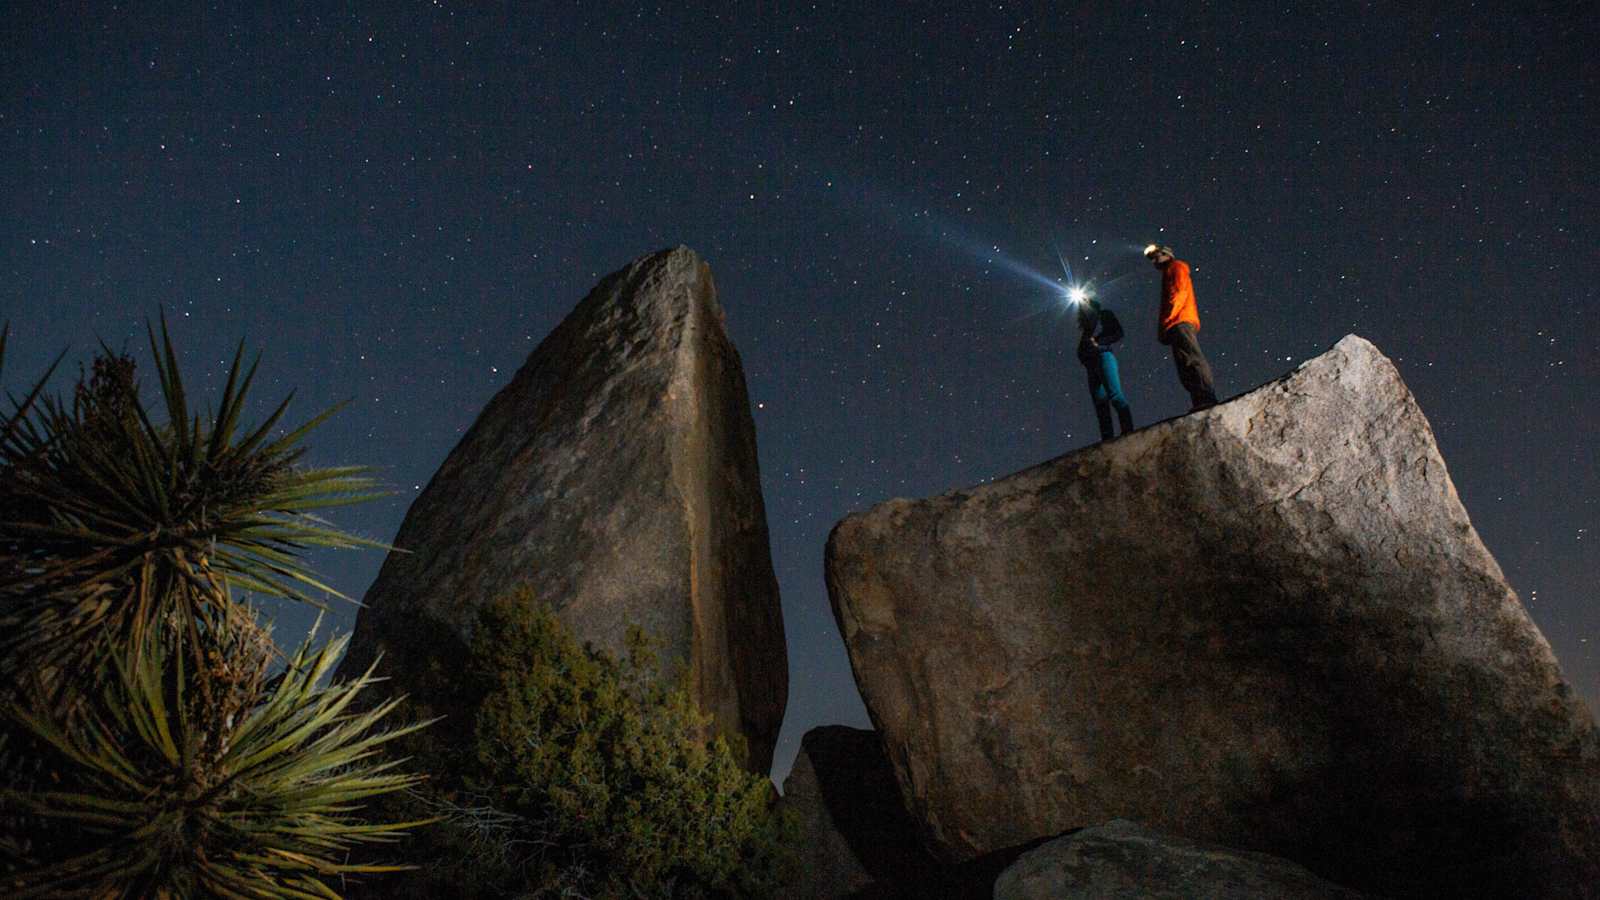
<point x="1122" y="861"/>
<point x="615" y="475"/>
<point x="855" y="835"/>
<point x="1269" y="625"/>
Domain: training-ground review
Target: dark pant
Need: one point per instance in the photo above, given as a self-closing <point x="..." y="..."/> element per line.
<point x="1193" y="370"/>
<point x="1105" y="387"/>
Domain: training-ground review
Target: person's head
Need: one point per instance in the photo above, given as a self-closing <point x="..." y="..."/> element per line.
<point x="1088" y="314"/>
<point x="1158" y="255"/>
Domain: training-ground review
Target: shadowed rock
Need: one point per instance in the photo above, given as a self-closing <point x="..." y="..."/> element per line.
<point x="616" y="474"/>
<point x="1122" y="861"/>
<point x="854" y="830"/>
<point x="1269" y="626"/>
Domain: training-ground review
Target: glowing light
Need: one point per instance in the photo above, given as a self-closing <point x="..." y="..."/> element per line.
<point x="1078" y="294"/>
<point x="1150" y="250"/>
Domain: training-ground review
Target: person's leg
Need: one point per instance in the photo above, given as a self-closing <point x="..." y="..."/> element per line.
<point x="1113" y="383"/>
<point x="1193" y="370"/>
<point x="1097" y="393"/>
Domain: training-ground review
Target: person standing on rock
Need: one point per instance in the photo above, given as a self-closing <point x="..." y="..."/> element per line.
<point x="1098" y="329"/>
<point x="1178" y="326"/>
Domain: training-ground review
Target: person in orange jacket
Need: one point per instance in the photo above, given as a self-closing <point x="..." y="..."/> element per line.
<point x="1178" y="326"/>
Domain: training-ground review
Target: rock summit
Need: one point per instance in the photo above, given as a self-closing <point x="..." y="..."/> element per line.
<point x="1269" y="625"/>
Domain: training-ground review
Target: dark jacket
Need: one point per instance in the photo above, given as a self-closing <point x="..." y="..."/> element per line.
<point x="1098" y="330"/>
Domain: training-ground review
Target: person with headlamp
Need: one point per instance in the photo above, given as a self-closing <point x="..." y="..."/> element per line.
<point x="1098" y="329"/>
<point x="1178" y="326"/>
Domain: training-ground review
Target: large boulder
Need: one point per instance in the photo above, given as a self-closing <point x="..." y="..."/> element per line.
<point x="854" y="837"/>
<point x="1124" y="861"/>
<point x="1269" y="625"/>
<point x="615" y="475"/>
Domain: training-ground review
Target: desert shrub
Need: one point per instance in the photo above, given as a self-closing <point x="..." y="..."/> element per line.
<point x="144" y="749"/>
<point x="594" y="777"/>
<point x="250" y="789"/>
<point x="113" y="521"/>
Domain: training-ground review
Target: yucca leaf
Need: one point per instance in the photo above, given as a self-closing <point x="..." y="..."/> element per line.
<point x="385" y="830"/>
<point x="151" y="441"/>
<point x="20" y="408"/>
<point x="196" y="446"/>
<point x="221" y="886"/>
<point x="166" y="362"/>
<point x="300" y="575"/>
<point x="149" y="711"/>
<point x="67" y="877"/>
<point x="298" y="734"/>
<point x="80" y="807"/>
<point x="282" y="444"/>
<point x="49" y="732"/>
<point x="227" y="416"/>
<point x="250" y="443"/>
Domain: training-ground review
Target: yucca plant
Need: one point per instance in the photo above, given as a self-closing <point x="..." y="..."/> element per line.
<point x="143" y="749"/>
<point x="110" y="522"/>
<point x="249" y="790"/>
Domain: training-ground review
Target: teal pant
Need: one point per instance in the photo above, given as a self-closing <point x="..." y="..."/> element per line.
<point x="1105" y="387"/>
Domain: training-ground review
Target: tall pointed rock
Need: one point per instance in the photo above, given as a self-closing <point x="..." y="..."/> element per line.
<point x="616" y="475"/>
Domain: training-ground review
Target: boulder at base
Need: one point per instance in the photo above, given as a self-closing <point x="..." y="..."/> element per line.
<point x="855" y="837"/>
<point x="1269" y="625"/>
<point x="615" y="475"/>
<point x="1122" y="861"/>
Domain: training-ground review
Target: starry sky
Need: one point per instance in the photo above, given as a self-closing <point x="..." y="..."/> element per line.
<point x="395" y="202"/>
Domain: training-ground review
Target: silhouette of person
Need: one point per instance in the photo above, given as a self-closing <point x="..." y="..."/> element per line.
<point x="1098" y="329"/>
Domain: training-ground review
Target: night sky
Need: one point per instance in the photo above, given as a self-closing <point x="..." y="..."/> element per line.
<point x="395" y="204"/>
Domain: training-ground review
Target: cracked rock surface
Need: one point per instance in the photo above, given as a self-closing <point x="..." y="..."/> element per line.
<point x="615" y="475"/>
<point x="1269" y="625"/>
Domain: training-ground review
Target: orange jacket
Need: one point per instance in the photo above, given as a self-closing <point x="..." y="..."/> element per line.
<point x="1177" y="299"/>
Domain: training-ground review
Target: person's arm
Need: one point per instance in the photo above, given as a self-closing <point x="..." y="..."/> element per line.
<point x="1168" y="285"/>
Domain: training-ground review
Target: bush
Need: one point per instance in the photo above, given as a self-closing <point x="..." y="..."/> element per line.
<point x="594" y="778"/>
<point x="111" y="523"/>
<point x="144" y="751"/>
<point x="247" y="789"/>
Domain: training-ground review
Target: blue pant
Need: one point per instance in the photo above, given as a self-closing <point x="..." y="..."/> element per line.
<point x="1106" y="389"/>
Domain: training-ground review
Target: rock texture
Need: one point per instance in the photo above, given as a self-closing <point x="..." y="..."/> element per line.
<point x="1123" y="861"/>
<point x="1269" y="625"/>
<point x="616" y="474"/>
<point x="855" y="837"/>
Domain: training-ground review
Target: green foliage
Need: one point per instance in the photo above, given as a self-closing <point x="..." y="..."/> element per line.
<point x="112" y="523"/>
<point x="594" y="778"/>
<point x="246" y="790"/>
<point x="144" y="751"/>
